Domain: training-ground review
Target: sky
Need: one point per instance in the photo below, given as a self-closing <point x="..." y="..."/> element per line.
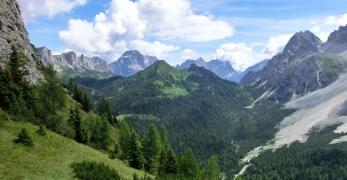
<point x="243" y="32"/>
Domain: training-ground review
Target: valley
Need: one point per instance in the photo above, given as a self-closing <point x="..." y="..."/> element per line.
<point x="162" y="91"/>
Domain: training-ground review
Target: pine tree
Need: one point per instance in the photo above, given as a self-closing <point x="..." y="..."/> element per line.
<point x="75" y="120"/>
<point x="151" y="150"/>
<point x="104" y="109"/>
<point x="42" y="130"/>
<point x="17" y="68"/>
<point x="87" y="105"/>
<point x="188" y="165"/>
<point x="124" y="139"/>
<point x="164" y="136"/>
<point x="168" y="162"/>
<point x="135" y="156"/>
<point x="52" y="96"/>
<point x="101" y="137"/>
<point x="24" y="138"/>
<point x="211" y="170"/>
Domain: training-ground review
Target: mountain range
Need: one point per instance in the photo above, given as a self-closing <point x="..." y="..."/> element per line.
<point x="286" y="119"/>
<point x="131" y="62"/>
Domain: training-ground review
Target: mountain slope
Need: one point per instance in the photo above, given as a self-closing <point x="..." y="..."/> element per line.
<point x="222" y="68"/>
<point x="199" y="109"/>
<point x="301" y="68"/>
<point x="131" y="62"/>
<point x="51" y="156"/>
<point x="14" y="35"/>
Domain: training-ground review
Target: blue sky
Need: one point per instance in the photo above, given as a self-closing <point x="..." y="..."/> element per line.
<point x="241" y="31"/>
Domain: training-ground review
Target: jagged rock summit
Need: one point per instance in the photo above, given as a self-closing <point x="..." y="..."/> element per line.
<point x="221" y="68"/>
<point x="14" y="35"/>
<point x="301" y="68"/>
<point x="70" y="61"/>
<point x="131" y="62"/>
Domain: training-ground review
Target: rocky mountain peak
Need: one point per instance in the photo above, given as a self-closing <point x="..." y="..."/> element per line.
<point x="301" y="44"/>
<point x="14" y="35"/>
<point x="131" y="62"/>
<point x="70" y="61"/>
<point x="339" y="36"/>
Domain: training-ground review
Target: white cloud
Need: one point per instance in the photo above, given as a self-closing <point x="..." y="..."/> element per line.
<point x="176" y="20"/>
<point x="126" y="24"/>
<point x="275" y="45"/>
<point x="242" y="56"/>
<point x="322" y="28"/>
<point x="155" y="49"/>
<point x="188" y="54"/>
<point x="34" y="8"/>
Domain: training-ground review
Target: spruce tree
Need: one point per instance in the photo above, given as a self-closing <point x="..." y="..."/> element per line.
<point x="164" y="136"/>
<point x="167" y="163"/>
<point x="124" y="139"/>
<point x="24" y="138"/>
<point x="52" y="95"/>
<point x="135" y="156"/>
<point x="75" y="120"/>
<point x="151" y="150"/>
<point x="87" y="105"/>
<point x="104" y="109"/>
<point x="17" y="68"/>
<point x="41" y="131"/>
<point x="188" y="165"/>
<point x="211" y="170"/>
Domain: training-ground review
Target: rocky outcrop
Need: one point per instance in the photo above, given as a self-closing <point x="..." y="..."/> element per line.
<point x="223" y="69"/>
<point x="337" y="42"/>
<point x="131" y="62"/>
<point x="301" y="68"/>
<point x="70" y="61"/>
<point x="14" y="35"/>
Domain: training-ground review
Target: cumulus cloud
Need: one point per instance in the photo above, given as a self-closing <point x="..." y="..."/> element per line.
<point x="34" y="8"/>
<point x="188" y="54"/>
<point x="322" y="28"/>
<point x="176" y="20"/>
<point x="275" y="45"/>
<point x="155" y="48"/>
<point x="126" y="24"/>
<point x="242" y="56"/>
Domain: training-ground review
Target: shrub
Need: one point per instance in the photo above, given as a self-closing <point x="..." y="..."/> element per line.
<point x="3" y="117"/>
<point x="93" y="170"/>
<point x="42" y="130"/>
<point x="24" y="138"/>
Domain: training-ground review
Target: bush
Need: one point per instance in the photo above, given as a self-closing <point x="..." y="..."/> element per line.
<point x="24" y="138"/>
<point x="3" y="117"/>
<point x="42" y="130"/>
<point x="93" y="170"/>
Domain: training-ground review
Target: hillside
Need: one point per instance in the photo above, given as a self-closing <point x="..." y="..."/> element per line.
<point x="200" y="110"/>
<point x="51" y="156"/>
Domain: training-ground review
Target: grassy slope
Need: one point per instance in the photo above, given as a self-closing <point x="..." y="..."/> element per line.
<point x="50" y="158"/>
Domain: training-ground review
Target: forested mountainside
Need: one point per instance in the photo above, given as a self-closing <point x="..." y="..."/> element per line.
<point x="200" y="110"/>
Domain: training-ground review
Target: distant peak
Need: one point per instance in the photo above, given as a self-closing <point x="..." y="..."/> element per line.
<point x="132" y="53"/>
<point x="302" y="43"/>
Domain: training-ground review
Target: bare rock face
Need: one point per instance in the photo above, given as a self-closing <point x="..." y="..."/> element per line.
<point x="301" y="68"/>
<point x="13" y="34"/>
<point x="130" y="63"/>
<point x="337" y="42"/>
<point x="70" y="61"/>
